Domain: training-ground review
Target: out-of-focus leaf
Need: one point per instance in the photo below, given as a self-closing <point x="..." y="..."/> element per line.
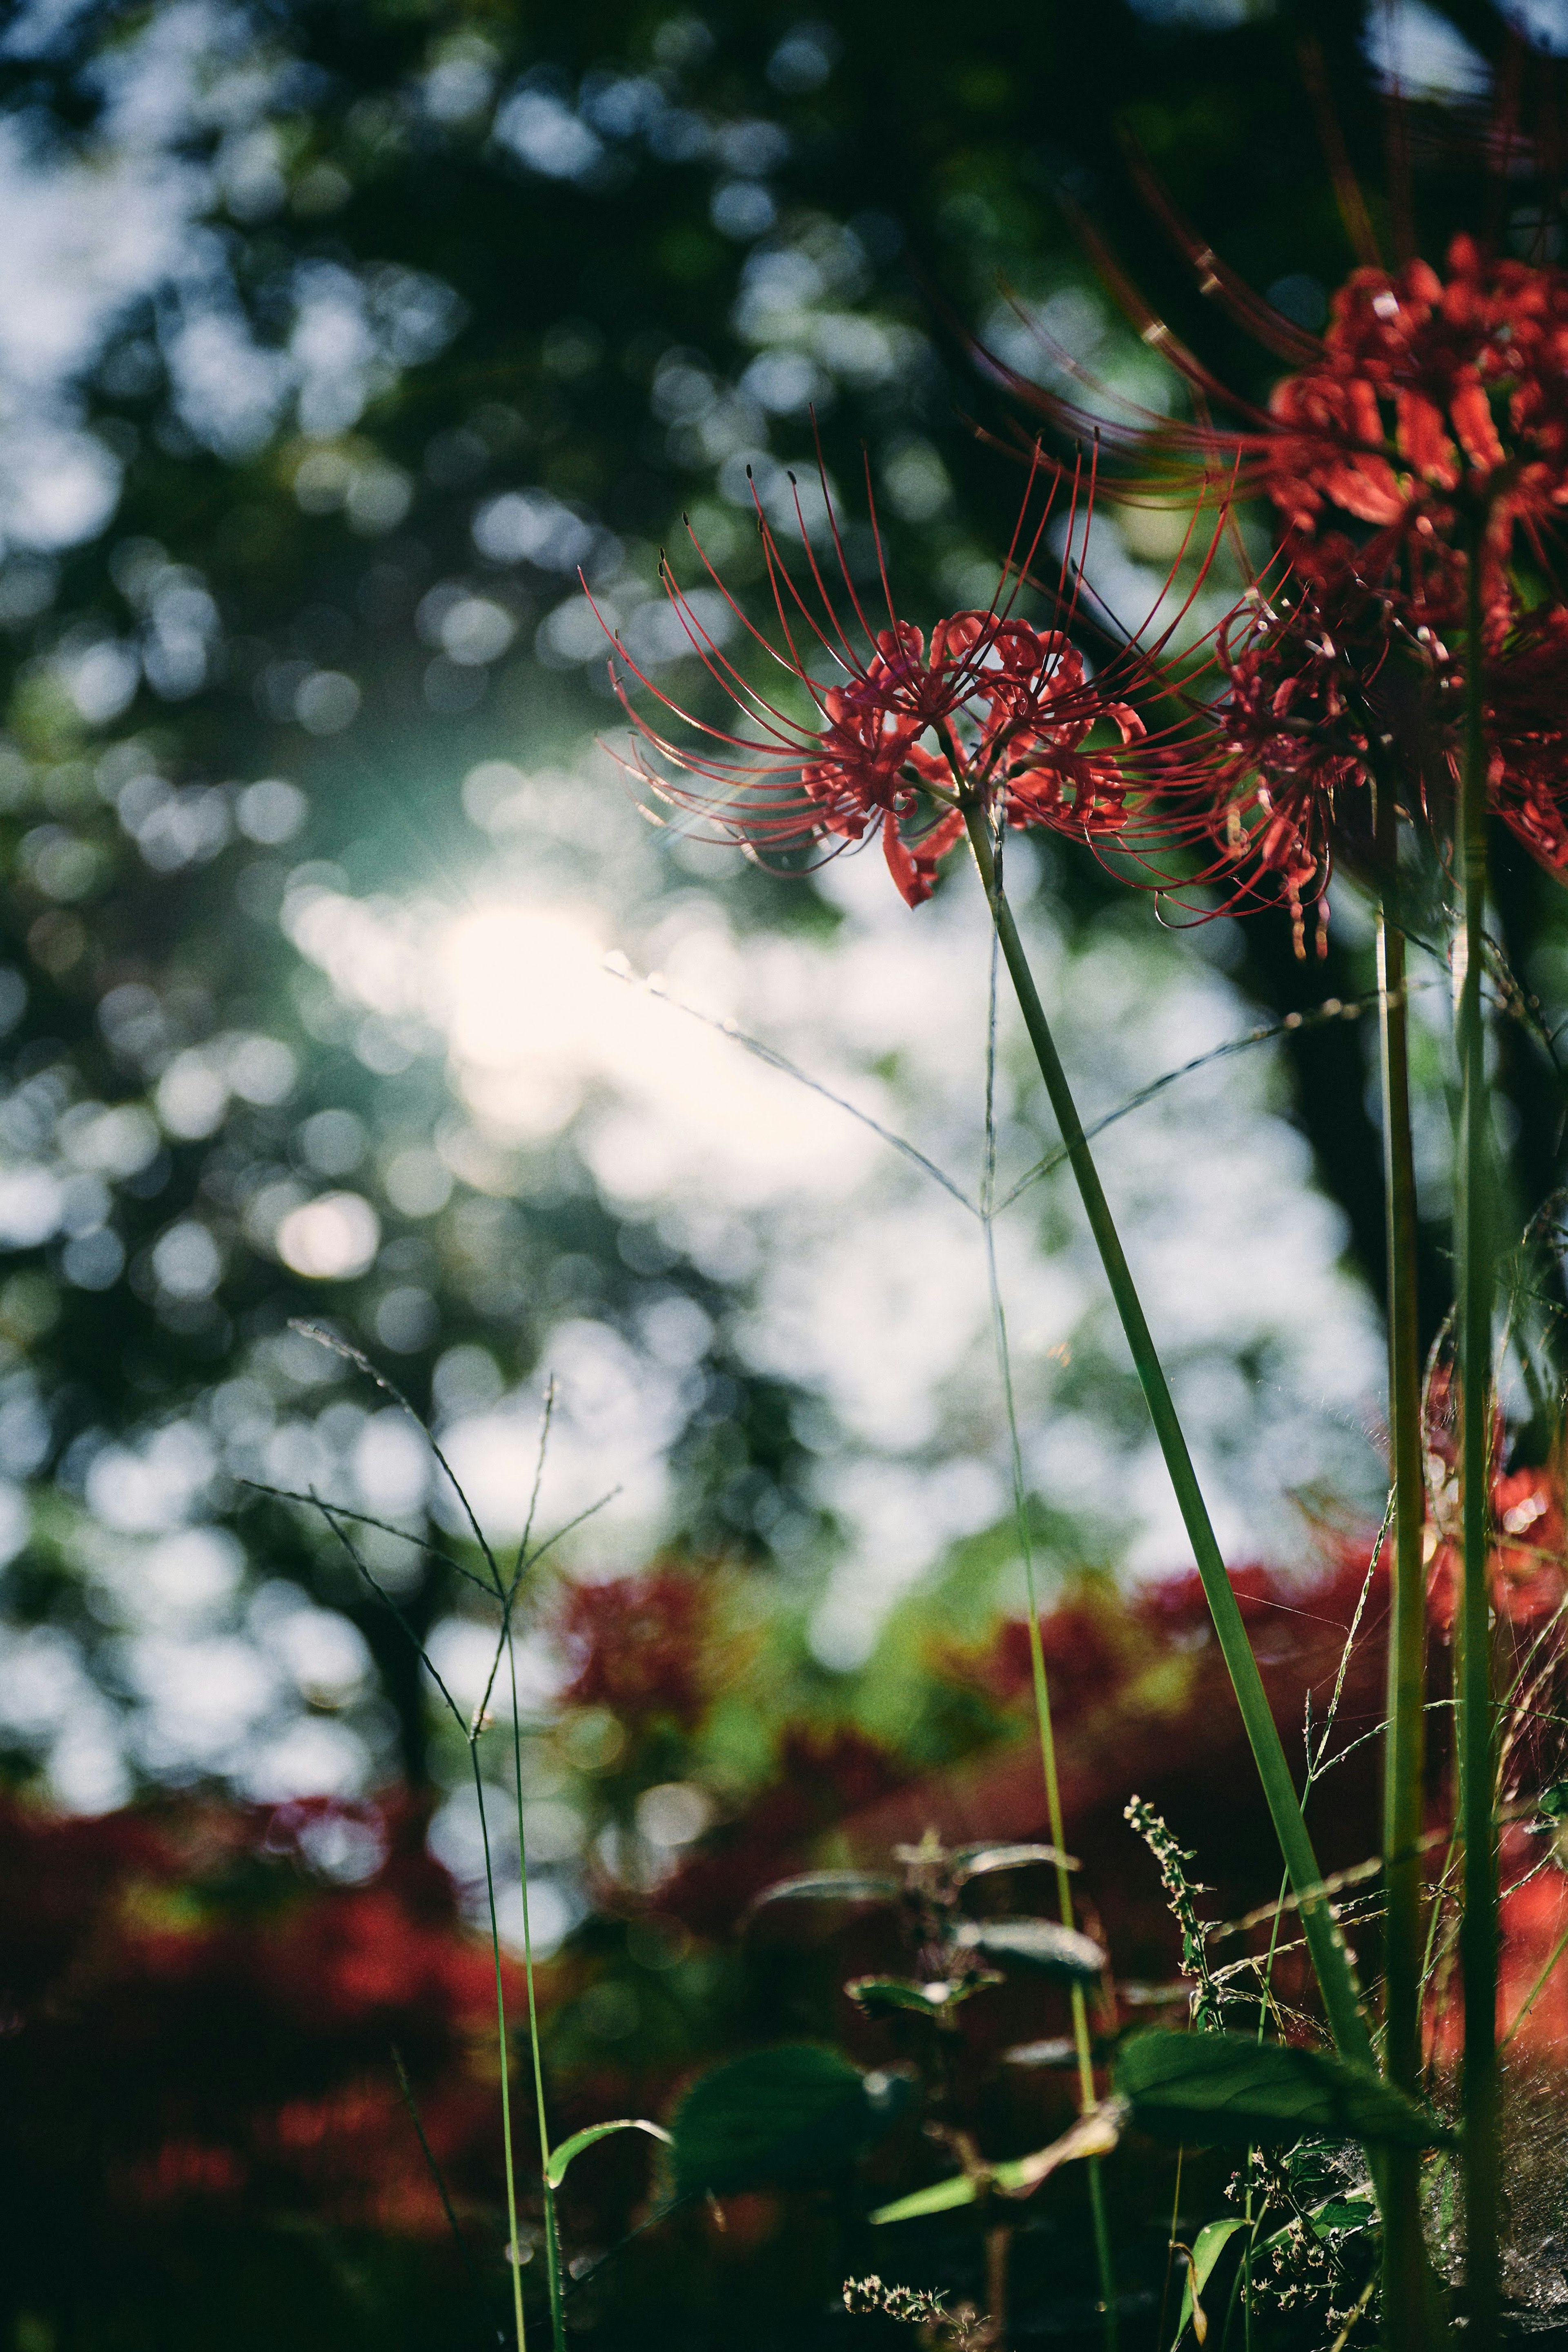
<point x="1040" y="1944"/>
<point x="830" y="1886"/>
<point x="1207" y="2247"/>
<point x="980" y="1861"/>
<point x="560" y="2157"/>
<point x="1058" y="2050"/>
<point x="940" y="2198"/>
<point x="1095" y="2133"/>
<point x="879" y="1993"/>
<point x="1136" y="1995"/>
<point x="1207" y="2087"/>
<point x="777" y="2116"/>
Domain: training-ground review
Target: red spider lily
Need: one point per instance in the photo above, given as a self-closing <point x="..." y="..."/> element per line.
<point x="1291" y="786"/>
<point x="1424" y="394"/>
<point x="1431" y="390"/>
<point x="990" y="712"/>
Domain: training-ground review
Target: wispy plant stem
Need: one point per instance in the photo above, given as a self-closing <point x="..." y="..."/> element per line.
<point x="1056" y="1820"/>
<point x="513" y="2250"/>
<point x="1330" y="1959"/>
<point x="552" y="2233"/>
<point x="1478" y="1925"/>
<point x="1405" y="2271"/>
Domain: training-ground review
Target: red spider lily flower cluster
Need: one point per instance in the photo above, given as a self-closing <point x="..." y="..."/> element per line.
<point x="1430" y="418"/>
<point x="1292" y="781"/>
<point x="1428" y="423"/>
<point x="904" y="732"/>
<point x="1420" y="380"/>
<point x="1437" y="414"/>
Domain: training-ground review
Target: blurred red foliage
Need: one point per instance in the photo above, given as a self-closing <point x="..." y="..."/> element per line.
<point x="196" y="2012"/>
<point x="637" y="1645"/>
<point x="1527" y="1571"/>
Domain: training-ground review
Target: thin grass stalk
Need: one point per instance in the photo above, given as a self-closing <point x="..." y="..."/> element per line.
<point x="1330" y="1960"/>
<point x="552" y="2233"/>
<point x="1082" y="2046"/>
<point x="1405" y="2271"/>
<point x="1478" y="1925"/>
<point x="514" y="2249"/>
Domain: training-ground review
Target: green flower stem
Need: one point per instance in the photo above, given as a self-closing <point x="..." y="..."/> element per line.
<point x="1330" y="1959"/>
<point x="1477" y="1764"/>
<point x="1405" y="2277"/>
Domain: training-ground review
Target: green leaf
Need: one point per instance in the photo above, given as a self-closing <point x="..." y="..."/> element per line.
<point x="1207" y="2247"/>
<point x="561" y="2157"/>
<point x="1040" y="1944"/>
<point x="1209" y="2087"/>
<point x="979" y="1861"/>
<point x="830" y="1886"/>
<point x="1344" y="2216"/>
<point x="874" y="1993"/>
<point x="1554" y="1801"/>
<point x="778" y="2114"/>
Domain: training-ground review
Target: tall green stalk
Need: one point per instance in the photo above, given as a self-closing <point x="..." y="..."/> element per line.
<point x="1330" y="1960"/>
<point x="1405" y="2271"/>
<point x="1056" y="1820"/>
<point x="1475" y="1741"/>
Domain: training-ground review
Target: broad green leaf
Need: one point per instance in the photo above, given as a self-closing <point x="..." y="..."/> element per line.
<point x="1041" y="1944"/>
<point x="778" y="2114"/>
<point x="830" y="1886"/>
<point x="979" y="1861"/>
<point x="1095" y="2133"/>
<point x="563" y="2156"/>
<point x="1207" y="2247"/>
<point x="1209" y="2087"/>
<point x="874" y="1993"/>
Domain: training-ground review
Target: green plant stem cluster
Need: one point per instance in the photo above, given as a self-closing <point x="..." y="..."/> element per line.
<point x="1409" y="2306"/>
